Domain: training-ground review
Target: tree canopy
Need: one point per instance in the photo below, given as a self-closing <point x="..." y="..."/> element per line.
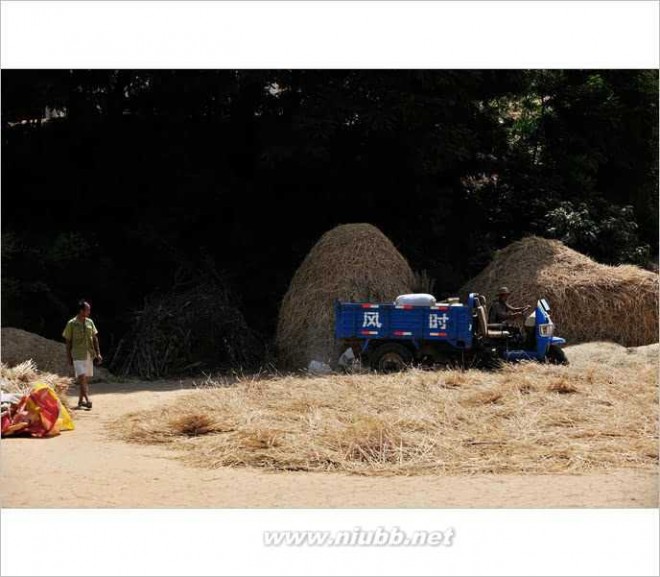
<point x="117" y="183"/>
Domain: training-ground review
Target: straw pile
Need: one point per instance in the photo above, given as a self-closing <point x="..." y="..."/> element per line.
<point x="589" y="301"/>
<point x="21" y="378"/>
<point x="190" y="329"/>
<point x="613" y="355"/>
<point x="352" y="262"/>
<point x="19" y="346"/>
<point x="527" y="418"/>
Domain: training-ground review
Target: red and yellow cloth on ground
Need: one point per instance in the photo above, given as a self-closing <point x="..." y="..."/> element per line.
<point x="38" y="414"/>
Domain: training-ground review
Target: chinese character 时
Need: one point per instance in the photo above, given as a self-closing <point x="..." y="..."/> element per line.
<point x="438" y="321"/>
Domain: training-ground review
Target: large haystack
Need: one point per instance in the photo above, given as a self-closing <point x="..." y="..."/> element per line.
<point x="18" y="346"/>
<point x="352" y="262"/>
<point x="590" y="301"/>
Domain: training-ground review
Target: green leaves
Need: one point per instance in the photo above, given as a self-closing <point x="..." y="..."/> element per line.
<point x="608" y="233"/>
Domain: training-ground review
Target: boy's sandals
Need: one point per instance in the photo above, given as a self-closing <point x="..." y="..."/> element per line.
<point x="83" y="405"/>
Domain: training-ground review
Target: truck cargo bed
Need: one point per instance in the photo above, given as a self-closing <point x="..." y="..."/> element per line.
<point x="442" y="322"/>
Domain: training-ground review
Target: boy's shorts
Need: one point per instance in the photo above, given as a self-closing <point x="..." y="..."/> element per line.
<point x="84" y="367"/>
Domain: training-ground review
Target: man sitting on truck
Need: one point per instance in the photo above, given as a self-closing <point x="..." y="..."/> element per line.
<point x="501" y="312"/>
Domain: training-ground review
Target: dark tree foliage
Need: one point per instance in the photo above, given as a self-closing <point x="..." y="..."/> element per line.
<point x="114" y="180"/>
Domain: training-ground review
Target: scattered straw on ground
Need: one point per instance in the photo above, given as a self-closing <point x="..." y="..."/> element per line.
<point x="352" y="262"/>
<point x="613" y="355"/>
<point x="20" y="378"/>
<point x="528" y="418"/>
<point x="589" y="301"/>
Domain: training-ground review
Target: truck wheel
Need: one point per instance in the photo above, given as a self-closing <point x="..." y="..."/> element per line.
<point x="556" y="355"/>
<point x="390" y="358"/>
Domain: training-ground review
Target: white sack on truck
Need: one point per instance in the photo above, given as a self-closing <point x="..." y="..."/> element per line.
<point x="416" y="300"/>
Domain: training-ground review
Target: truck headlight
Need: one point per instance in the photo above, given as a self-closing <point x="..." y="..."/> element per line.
<point x="546" y="330"/>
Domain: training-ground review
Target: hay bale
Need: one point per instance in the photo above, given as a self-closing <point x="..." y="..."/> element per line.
<point x="352" y="262"/>
<point x="590" y="301"/>
<point x="18" y="346"/>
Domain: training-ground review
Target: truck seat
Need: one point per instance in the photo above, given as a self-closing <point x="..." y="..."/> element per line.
<point x="486" y="329"/>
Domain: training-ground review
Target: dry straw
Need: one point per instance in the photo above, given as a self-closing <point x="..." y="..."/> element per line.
<point x="20" y="378"/>
<point x="352" y="262"/>
<point x="18" y="346"/>
<point x="528" y="418"/>
<point x="590" y="301"/>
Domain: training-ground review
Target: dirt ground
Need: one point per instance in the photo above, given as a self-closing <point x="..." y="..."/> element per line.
<point x="84" y="468"/>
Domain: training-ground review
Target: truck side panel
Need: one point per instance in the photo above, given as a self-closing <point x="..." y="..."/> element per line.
<point x="451" y="324"/>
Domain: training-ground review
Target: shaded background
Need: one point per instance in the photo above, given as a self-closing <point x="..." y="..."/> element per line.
<point x="120" y="184"/>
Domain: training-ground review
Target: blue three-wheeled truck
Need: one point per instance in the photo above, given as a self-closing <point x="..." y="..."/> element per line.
<point x="390" y="337"/>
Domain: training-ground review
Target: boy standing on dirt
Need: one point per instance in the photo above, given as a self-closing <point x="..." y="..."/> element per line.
<point x="82" y="349"/>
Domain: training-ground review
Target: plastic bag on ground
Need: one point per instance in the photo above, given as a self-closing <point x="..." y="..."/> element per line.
<point x="319" y="368"/>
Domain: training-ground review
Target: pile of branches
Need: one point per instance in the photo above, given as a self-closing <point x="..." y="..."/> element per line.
<point x="188" y="330"/>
